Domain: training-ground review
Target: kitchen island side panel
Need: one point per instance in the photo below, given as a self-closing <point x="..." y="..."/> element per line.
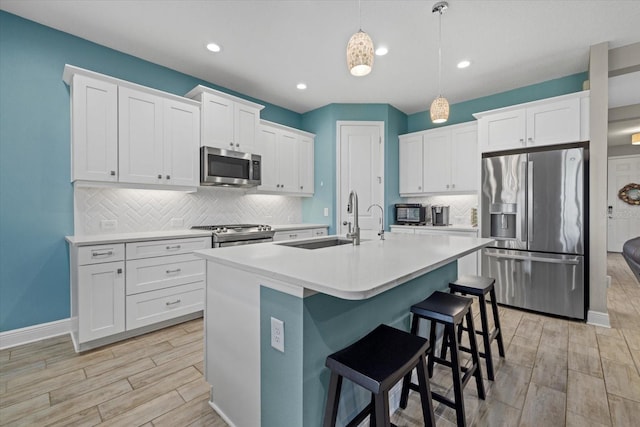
<point x="294" y="384"/>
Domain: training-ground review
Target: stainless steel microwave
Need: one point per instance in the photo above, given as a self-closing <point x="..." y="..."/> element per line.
<point x="229" y="168"/>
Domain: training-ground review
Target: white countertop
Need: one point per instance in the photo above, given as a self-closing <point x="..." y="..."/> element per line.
<point x="98" y="239"/>
<point x="288" y="227"/>
<point x="453" y="227"/>
<point x="347" y="271"/>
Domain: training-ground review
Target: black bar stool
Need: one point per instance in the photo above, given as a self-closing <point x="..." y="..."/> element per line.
<point x="377" y="362"/>
<point x="450" y="310"/>
<point x="480" y="287"/>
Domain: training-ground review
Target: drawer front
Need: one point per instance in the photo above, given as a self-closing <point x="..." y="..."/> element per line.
<point x="100" y="253"/>
<point x="155" y="306"/>
<point x="317" y="232"/>
<point x="136" y="250"/>
<point x="150" y="274"/>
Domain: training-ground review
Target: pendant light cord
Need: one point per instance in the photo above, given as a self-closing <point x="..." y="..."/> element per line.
<point x="440" y="51"/>
<point x="359" y="16"/>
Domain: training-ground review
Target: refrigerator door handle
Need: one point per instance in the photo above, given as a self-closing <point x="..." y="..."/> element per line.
<point x="530" y="202"/>
<point x="522" y="205"/>
<point x="571" y="261"/>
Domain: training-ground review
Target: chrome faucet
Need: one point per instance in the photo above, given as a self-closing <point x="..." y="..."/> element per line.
<point x="381" y="232"/>
<point x="352" y="207"/>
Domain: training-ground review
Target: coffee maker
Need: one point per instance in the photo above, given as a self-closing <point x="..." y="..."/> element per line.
<point x="440" y="215"/>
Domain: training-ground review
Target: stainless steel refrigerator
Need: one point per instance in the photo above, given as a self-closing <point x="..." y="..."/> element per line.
<point x="533" y="205"/>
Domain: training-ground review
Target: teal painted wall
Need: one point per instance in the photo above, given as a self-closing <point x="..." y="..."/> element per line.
<point x="463" y="111"/>
<point x="295" y="383"/>
<point x="322" y="122"/>
<point x="36" y="197"/>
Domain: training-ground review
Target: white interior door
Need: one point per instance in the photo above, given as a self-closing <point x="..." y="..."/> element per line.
<point x="624" y="219"/>
<point x="360" y="167"/>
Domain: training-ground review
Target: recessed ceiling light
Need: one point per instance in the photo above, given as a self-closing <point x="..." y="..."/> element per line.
<point x="301" y="86"/>
<point x="382" y="51"/>
<point x="464" y="64"/>
<point x="214" y="47"/>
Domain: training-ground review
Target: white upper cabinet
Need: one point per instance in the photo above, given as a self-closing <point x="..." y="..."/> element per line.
<point x="442" y="160"/>
<point x="132" y="135"/>
<point x="227" y="122"/>
<point x="287" y="160"/>
<point x="94" y="129"/>
<point x="558" y="120"/>
<point x="305" y="163"/>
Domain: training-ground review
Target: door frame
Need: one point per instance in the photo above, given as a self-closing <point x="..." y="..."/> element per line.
<point x="338" y="146"/>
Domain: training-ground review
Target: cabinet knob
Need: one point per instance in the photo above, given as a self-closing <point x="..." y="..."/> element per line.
<point x="231" y="144"/>
<point x="238" y="145"/>
<point x="277" y="185"/>
<point x="119" y="271"/>
<point x="168" y="176"/>
<point x="419" y="187"/>
<point x="159" y="176"/>
<point x="530" y="139"/>
<point x="521" y="141"/>
<point x="453" y="186"/>
<point x="302" y="187"/>
<point x="447" y="186"/>
<point x="112" y="173"/>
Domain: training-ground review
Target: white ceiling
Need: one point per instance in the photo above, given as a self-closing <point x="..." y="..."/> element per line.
<point x="269" y="46"/>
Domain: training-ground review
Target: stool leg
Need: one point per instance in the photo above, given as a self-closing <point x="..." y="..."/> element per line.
<point x="333" y="398"/>
<point x="404" y="396"/>
<point x="382" y="409"/>
<point x="432" y="339"/>
<point x="496" y="321"/>
<point x="372" y="417"/>
<point x="474" y="355"/>
<point x="444" y="346"/>
<point x="485" y="336"/>
<point x="425" y="394"/>
<point x="457" y="375"/>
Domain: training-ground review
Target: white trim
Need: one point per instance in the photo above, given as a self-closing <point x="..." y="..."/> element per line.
<point x="597" y="318"/>
<point x="33" y="333"/>
<point x="224" y="416"/>
<point x="338" y="145"/>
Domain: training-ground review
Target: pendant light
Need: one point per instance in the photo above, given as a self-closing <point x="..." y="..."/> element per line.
<point x="360" y="51"/>
<point x="635" y="139"/>
<point x="440" y="106"/>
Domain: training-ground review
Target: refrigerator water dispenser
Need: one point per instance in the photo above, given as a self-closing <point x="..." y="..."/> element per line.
<point x="503" y="220"/>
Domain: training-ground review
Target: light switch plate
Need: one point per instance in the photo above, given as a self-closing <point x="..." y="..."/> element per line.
<point x="326" y="211"/>
<point x="277" y="334"/>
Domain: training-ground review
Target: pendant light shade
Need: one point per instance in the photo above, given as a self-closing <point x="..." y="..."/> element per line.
<point x="360" y="54"/>
<point x="635" y="139"/>
<point x="439" y="110"/>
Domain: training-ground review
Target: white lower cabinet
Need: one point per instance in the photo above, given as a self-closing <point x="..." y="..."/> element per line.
<point x="117" y="289"/>
<point x="303" y="233"/>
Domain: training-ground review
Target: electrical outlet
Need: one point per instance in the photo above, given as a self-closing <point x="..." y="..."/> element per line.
<point x="177" y="222"/>
<point x="326" y="211"/>
<point x="108" y="224"/>
<point x="277" y="334"/>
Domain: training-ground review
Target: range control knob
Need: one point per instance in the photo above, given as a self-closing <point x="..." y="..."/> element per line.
<point x="224" y="229"/>
<point x="267" y="227"/>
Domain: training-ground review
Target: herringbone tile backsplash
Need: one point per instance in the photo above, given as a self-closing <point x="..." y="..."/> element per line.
<point x="153" y="210"/>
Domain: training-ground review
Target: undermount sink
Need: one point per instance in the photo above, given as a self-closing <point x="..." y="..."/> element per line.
<point x="317" y="244"/>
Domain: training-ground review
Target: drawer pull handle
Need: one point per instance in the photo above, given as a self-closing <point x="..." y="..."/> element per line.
<point x="177" y="270"/>
<point x="107" y="253"/>
<point x="293" y="236"/>
<point x="173" y="247"/>
<point x="173" y="303"/>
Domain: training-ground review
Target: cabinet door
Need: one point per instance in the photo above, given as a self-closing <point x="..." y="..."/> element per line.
<point x="287" y="162"/>
<point x="464" y="159"/>
<point x="305" y="164"/>
<point x="502" y="131"/>
<point x="181" y="142"/>
<point x="94" y="142"/>
<point x="217" y="121"/>
<point x="437" y="161"/>
<point x="554" y="123"/>
<point x="411" y="164"/>
<point x="267" y="145"/>
<point x="140" y="137"/>
<point x="246" y="122"/>
<point x="101" y="300"/>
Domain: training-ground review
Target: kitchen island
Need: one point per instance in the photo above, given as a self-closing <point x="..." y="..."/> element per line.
<point x="326" y="298"/>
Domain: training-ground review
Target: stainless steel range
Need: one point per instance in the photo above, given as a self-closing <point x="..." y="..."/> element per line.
<point x="237" y="234"/>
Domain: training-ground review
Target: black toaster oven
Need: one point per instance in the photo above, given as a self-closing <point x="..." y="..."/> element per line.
<point x="411" y="214"/>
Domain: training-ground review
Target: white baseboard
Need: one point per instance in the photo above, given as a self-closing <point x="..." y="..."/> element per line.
<point x="597" y="318"/>
<point x="33" y="333"/>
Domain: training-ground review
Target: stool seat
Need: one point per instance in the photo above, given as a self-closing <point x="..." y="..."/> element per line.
<point x="473" y="285"/>
<point x="380" y="359"/>
<point x="377" y="362"/>
<point x="443" y="307"/>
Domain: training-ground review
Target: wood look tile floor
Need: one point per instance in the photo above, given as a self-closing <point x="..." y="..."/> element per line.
<point x="557" y="372"/>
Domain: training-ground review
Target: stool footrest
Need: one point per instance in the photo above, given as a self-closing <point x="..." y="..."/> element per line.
<point x="440" y="398"/>
<point x="362" y="415"/>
